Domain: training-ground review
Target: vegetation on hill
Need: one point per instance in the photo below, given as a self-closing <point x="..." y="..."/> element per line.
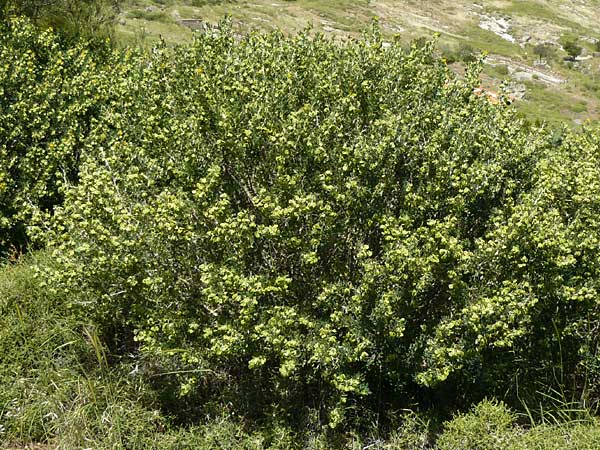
<point x="270" y="241"/>
<point x="551" y="89"/>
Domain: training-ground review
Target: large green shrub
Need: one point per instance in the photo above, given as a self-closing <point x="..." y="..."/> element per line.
<point x="281" y="219"/>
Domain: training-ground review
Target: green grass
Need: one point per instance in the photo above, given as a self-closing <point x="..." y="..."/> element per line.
<point x="491" y="43"/>
<point x="529" y="8"/>
<point x="56" y="383"/>
<point x="543" y="104"/>
<point x="492" y="426"/>
<point x="159" y="16"/>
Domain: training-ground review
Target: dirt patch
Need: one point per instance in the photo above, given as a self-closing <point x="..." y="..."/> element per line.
<point x="447" y="19"/>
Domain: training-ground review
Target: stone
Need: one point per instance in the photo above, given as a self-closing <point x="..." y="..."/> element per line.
<point x="522" y="76"/>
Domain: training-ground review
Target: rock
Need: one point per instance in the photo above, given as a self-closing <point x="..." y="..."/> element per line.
<point x="515" y="90"/>
<point x="193" y="24"/>
<point x="498" y="26"/>
<point x="524" y="41"/>
<point x="541" y="64"/>
<point x="522" y="76"/>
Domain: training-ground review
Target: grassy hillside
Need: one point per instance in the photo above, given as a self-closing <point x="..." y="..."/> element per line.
<point x="546" y="87"/>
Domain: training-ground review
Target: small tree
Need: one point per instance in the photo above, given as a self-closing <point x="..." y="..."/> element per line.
<point x="544" y="51"/>
<point x="572" y="48"/>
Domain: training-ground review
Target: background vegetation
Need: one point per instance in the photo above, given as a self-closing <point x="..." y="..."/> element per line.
<point x="89" y="19"/>
<point x="270" y="241"/>
<point x="508" y="31"/>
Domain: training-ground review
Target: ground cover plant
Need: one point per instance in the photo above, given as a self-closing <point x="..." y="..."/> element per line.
<point x="278" y="241"/>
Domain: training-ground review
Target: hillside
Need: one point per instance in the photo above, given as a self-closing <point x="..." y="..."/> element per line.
<point x="545" y="85"/>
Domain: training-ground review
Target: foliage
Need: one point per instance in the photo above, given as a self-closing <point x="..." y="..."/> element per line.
<point x="304" y="217"/>
<point x="534" y="288"/>
<point x="265" y="220"/>
<point x="544" y="51"/>
<point x="464" y="52"/>
<point x="49" y="96"/>
<point x="60" y="389"/>
<point x="491" y="425"/>
<point x="73" y="18"/>
<point x="487" y="427"/>
<point x="572" y="48"/>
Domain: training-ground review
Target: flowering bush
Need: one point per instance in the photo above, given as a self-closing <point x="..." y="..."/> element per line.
<point x="344" y="222"/>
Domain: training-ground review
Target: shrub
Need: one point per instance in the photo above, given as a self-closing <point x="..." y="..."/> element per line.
<point x="544" y="51"/>
<point x="488" y="427"/>
<point x="491" y="425"/>
<point x="152" y="15"/>
<point x="572" y="48"/>
<point x="448" y="53"/>
<point x="88" y="19"/>
<point x="466" y="53"/>
<point x="569" y="436"/>
<point x="49" y="97"/>
<point x="268" y="220"/>
<point x="295" y="215"/>
<point x="537" y="295"/>
<point x="502" y="70"/>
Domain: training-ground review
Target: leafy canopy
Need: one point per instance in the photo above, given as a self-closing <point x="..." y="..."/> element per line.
<point x="340" y="221"/>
